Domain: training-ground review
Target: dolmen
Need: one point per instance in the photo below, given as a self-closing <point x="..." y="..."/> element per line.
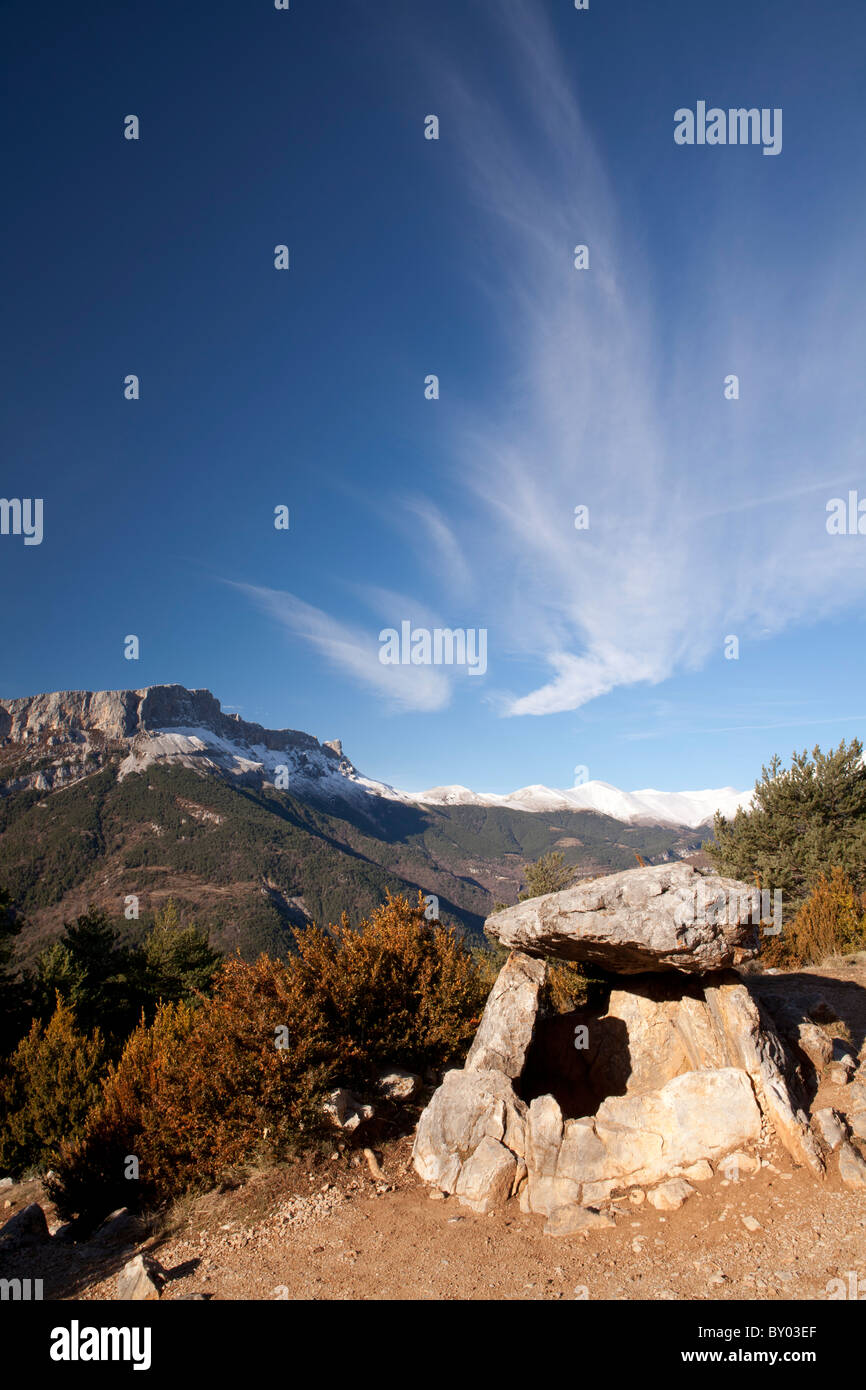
<point x="682" y="1068"/>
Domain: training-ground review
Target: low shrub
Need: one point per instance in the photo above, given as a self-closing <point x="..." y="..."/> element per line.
<point x="831" y="922"/>
<point x="241" y="1076"/>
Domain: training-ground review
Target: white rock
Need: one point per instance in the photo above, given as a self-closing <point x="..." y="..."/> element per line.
<point x="699" y="1115"/>
<point x="697" y="1172"/>
<point x="486" y="1178"/>
<point x="468" y="1107"/>
<point x="508" y="1021"/>
<point x="665" y="917"/>
<point x="636" y="1140"/>
<point x="140" y="1280"/>
<point x="397" y="1084"/>
<point x="345" y="1111"/>
<point x="739" y="1164"/>
<point x="670" y="1195"/>
<point x="852" y="1169"/>
<point x="827" y="1124"/>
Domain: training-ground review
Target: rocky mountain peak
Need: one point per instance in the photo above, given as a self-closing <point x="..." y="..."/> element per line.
<point x="122" y="714"/>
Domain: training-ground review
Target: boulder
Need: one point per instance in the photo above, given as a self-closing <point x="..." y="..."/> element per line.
<point x="752" y="1043"/>
<point x="670" y="1195"/>
<point x="852" y="1169"/>
<point x="697" y="1172"/>
<point x="633" y="1141"/>
<point x="487" y="1177"/>
<point x="468" y="1107"/>
<point x="815" y="1044"/>
<point x="27" y="1227"/>
<point x="699" y="1115"/>
<point x="140" y="1280"/>
<point x="508" y="1021"/>
<point x="666" y="917"/>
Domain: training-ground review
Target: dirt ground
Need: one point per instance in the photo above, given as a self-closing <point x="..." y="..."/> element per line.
<point x="333" y="1231"/>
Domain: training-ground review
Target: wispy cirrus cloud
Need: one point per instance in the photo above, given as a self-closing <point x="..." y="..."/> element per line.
<point x="701" y="524"/>
<point x="453" y="569"/>
<point x="352" y="650"/>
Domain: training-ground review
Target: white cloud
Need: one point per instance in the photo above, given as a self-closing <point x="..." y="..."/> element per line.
<point x="701" y="523"/>
<point x="706" y="517"/>
<point x="354" y="651"/>
<point x="453" y="570"/>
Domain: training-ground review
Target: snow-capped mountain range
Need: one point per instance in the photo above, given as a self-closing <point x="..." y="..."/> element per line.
<point x="648" y="807"/>
<point x="60" y="738"/>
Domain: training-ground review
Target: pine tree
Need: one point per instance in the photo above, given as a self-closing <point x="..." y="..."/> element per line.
<point x="51" y="1081"/>
<point x="549" y="874"/>
<point x="12" y="1019"/>
<point x="804" y="820"/>
<point x="178" y="960"/>
<point x="95" y="974"/>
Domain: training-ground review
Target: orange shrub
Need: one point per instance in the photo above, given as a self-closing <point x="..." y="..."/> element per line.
<point x="207" y="1088"/>
<point x="830" y="922"/>
<point x="395" y="990"/>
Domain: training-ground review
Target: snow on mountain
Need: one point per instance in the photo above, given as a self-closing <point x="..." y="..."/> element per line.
<point x="70" y="734"/>
<point x="647" y="807"/>
<point x="318" y="770"/>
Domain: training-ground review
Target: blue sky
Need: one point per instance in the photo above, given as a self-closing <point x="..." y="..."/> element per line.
<point x="558" y="387"/>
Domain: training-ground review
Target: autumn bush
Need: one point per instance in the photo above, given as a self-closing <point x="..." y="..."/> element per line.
<point x="242" y="1075"/>
<point x="830" y="922"/>
<point x="397" y="989"/>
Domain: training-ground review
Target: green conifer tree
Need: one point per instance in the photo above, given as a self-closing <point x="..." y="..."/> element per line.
<point x="804" y="820"/>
